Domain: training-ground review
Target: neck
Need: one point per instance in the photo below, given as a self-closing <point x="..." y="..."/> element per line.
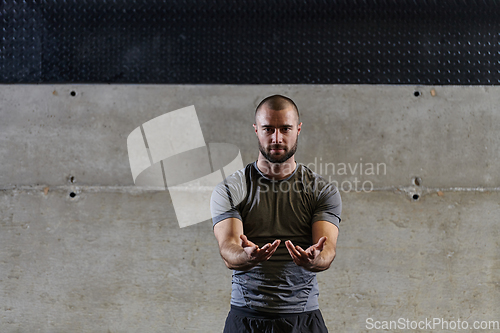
<point x="276" y="171"/>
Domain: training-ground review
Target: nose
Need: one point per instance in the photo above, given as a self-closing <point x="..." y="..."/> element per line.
<point x="277" y="136"/>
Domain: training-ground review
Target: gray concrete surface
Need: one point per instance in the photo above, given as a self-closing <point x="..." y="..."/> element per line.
<point x="113" y="258"/>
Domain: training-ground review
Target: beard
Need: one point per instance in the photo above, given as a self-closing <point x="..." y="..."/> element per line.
<point x="266" y="152"/>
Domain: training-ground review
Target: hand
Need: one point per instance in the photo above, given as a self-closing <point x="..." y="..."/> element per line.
<point x="308" y="258"/>
<point x="256" y="255"/>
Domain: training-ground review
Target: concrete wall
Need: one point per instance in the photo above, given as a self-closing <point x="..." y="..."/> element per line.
<point x="113" y="258"/>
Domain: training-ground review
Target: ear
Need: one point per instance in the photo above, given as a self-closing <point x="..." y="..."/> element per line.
<point x="255" y="127"/>
<point x="298" y="128"/>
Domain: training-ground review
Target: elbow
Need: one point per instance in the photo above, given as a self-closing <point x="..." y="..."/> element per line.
<point x="228" y="265"/>
<point x="232" y="266"/>
<point x="334" y="254"/>
<point x="237" y="268"/>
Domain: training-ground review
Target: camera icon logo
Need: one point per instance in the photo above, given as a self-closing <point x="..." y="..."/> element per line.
<point x="169" y="153"/>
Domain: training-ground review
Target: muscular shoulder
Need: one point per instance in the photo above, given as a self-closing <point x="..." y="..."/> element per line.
<point x="229" y="193"/>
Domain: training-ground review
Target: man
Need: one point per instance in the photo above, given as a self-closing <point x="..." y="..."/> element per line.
<point x="276" y="223"/>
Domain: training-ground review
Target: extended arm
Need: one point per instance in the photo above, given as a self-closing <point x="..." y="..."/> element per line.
<point x="236" y="250"/>
<point x="319" y="256"/>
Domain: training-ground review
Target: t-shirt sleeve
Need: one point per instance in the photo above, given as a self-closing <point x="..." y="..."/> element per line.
<point x="328" y="205"/>
<point x="226" y="197"/>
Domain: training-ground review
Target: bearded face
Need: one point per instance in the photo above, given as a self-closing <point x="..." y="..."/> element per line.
<point x="278" y="153"/>
<point x="278" y="133"/>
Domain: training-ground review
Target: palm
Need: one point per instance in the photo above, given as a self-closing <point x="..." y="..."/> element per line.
<point x="305" y="258"/>
<point x="256" y="254"/>
<point x="313" y="251"/>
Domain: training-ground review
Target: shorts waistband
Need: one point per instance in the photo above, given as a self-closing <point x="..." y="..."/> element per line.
<point x="248" y="312"/>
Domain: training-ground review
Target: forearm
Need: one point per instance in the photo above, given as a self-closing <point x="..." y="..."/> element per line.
<point x="235" y="257"/>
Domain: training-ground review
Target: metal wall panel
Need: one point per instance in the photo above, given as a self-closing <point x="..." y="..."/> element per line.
<point x="250" y="42"/>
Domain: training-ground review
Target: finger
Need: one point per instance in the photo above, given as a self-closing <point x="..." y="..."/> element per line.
<point x="244" y="240"/>
<point x="292" y="249"/>
<point x="265" y="247"/>
<point x="270" y="248"/>
<point x="266" y="254"/>
<point x="275" y="244"/>
<point x="251" y="252"/>
<point x="269" y="255"/>
<point x="320" y="244"/>
<point x="260" y="254"/>
<point x="306" y="255"/>
<point x="273" y="249"/>
<point x="294" y="257"/>
<point x="255" y="250"/>
<point x="311" y="252"/>
<point x="264" y="251"/>
<point x="297" y="260"/>
<point x="289" y="248"/>
<point x="302" y="252"/>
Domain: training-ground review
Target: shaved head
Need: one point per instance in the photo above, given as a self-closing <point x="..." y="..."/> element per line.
<point x="276" y="103"/>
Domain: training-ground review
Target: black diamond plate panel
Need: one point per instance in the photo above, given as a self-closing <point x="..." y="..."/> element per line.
<point x="250" y="42"/>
